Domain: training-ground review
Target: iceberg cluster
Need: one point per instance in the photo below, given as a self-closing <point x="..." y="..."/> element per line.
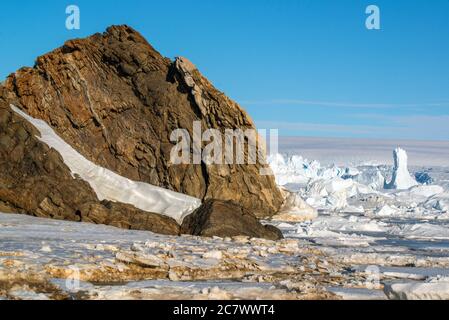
<point x="323" y="188"/>
<point x="361" y="189"/>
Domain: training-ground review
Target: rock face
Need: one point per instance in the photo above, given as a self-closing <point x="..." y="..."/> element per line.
<point x="226" y="219"/>
<point x="116" y="100"/>
<point x="34" y="180"/>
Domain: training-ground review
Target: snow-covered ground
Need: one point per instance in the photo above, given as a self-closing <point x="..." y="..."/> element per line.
<point x="355" y="231"/>
<point x="50" y="259"/>
<point x="390" y="223"/>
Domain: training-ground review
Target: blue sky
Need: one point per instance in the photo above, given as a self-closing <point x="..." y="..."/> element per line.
<point x="307" y="67"/>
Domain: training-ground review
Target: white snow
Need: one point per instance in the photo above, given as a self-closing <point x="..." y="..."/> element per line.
<point x="401" y="179"/>
<point x="111" y="186"/>
<point x="214" y="254"/>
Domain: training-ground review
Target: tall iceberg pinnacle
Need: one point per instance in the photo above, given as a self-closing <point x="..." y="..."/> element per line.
<point x="401" y="179"/>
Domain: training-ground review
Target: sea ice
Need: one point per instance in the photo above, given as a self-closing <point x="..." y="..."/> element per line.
<point x="421" y="231"/>
<point x="433" y="289"/>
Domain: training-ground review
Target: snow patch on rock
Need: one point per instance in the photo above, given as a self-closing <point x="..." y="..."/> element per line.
<point x="111" y="186"/>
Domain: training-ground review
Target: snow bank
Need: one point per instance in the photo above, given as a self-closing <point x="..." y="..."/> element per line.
<point x="111" y="186"/>
<point x="401" y="178"/>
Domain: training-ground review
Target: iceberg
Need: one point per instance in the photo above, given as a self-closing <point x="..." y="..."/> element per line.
<point x="401" y="179"/>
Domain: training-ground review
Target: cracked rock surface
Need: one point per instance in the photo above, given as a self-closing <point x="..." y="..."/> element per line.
<point x="116" y="100"/>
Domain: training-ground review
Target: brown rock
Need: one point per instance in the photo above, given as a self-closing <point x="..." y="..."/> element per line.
<point x="117" y="100"/>
<point x="34" y="180"/>
<point x="226" y="219"/>
<point x="127" y="217"/>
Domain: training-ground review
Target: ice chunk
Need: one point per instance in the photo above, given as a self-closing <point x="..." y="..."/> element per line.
<point x="419" y="194"/>
<point x="386" y="211"/>
<point x="426" y="191"/>
<point x="351" y="173"/>
<point x="421" y="231"/>
<point x="433" y="289"/>
<point x="338" y="184"/>
<point x="401" y="178"/>
<point x="371" y="177"/>
<point x="439" y="202"/>
<point x="295" y="209"/>
<point x="337" y="200"/>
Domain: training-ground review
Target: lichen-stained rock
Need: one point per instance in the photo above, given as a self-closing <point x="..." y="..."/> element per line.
<point x="116" y="100"/>
<point x="226" y="219"/>
<point x="34" y="180"/>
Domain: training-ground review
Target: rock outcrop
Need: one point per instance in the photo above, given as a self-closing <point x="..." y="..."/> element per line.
<point x="226" y="219"/>
<point x="116" y="100"/>
<point x="34" y="180"/>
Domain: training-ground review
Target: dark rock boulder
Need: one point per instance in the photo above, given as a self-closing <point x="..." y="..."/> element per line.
<point x="226" y="219"/>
